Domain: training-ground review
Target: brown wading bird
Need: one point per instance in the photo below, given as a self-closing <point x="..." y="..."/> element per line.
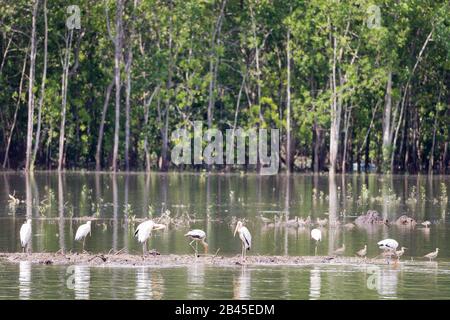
<point x="265" y="220"/>
<point x="340" y="251"/>
<point x="363" y="252"/>
<point x="245" y="236"/>
<point x="400" y="252"/>
<point x="322" y="222"/>
<point x="197" y="236"/>
<point x="432" y="255"/>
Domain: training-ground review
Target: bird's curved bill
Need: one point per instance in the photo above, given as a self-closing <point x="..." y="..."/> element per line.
<point x="159" y="226"/>
<point x="235" y="230"/>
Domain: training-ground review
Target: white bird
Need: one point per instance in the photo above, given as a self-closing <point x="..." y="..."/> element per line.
<point x="82" y="232"/>
<point x="432" y="255"/>
<point x="197" y="235"/>
<point x="362" y="253"/>
<point x="389" y="246"/>
<point x="316" y="234"/>
<point x="245" y="236"/>
<point x="25" y="234"/>
<point x="144" y="231"/>
<point x="426" y="224"/>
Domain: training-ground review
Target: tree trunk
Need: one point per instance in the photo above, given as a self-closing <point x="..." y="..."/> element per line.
<point x="366" y="158"/>
<point x="117" y="60"/>
<point x="347" y="117"/>
<point x="41" y="98"/>
<point x="387" y="148"/>
<point x="213" y="65"/>
<point x="64" y="85"/>
<point x="146" y="116"/>
<point x="102" y="127"/>
<point x="288" y="103"/>
<point x="31" y="87"/>
<point x="128" y="66"/>
<point x="335" y="115"/>
<point x="13" y="126"/>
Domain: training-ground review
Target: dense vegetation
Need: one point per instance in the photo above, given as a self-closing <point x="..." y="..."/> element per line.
<point x="109" y="94"/>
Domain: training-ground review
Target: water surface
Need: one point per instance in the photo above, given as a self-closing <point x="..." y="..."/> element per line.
<point x="213" y="201"/>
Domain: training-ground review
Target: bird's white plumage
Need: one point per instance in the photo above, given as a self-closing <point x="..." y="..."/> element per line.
<point x="144" y="230"/>
<point x="246" y="237"/>
<point x="388" y="244"/>
<point x="196" y="233"/>
<point x="25" y="233"/>
<point x="83" y="231"/>
<point x="316" y="234"/>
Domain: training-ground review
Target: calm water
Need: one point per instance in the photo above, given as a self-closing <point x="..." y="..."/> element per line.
<point x="213" y="200"/>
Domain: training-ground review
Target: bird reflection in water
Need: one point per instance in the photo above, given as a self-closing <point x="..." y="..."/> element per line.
<point x="196" y="281"/>
<point x="82" y="276"/>
<point x="388" y="283"/>
<point x="242" y="284"/>
<point x="24" y="280"/>
<point x="314" y="284"/>
<point x="148" y="284"/>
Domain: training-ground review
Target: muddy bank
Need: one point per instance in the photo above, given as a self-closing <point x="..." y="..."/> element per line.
<point x="128" y="260"/>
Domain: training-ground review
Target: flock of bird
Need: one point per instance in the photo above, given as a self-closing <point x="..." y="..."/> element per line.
<point x="144" y="231"/>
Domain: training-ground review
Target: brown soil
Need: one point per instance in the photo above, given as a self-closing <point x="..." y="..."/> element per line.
<point x="128" y="260"/>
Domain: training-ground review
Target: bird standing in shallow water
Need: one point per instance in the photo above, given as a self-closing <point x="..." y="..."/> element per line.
<point x="316" y="234"/>
<point x="197" y="236"/>
<point x="340" y="251"/>
<point x="245" y="236"/>
<point x="82" y="232"/>
<point x="389" y="246"/>
<point x="363" y="252"/>
<point x="432" y="255"/>
<point x="400" y="252"/>
<point x="25" y="235"/>
<point x="144" y="231"/>
<point x="426" y="224"/>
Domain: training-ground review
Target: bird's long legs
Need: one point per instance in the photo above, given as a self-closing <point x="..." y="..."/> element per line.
<point x="195" y="250"/>
<point x="84" y="240"/>
<point x="143" y="248"/>
<point x="315" y="249"/>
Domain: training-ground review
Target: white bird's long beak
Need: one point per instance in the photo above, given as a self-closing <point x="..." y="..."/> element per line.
<point x="158" y="226"/>
<point x="235" y="230"/>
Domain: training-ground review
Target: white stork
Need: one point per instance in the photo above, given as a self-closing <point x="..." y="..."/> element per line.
<point x="144" y="231"/>
<point x="25" y="235"/>
<point x="245" y="236"/>
<point x="389" y="246"/>
<point x="316" y="234"/>
<point x="82" y="232"/>
<point x="197" y="235"/>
